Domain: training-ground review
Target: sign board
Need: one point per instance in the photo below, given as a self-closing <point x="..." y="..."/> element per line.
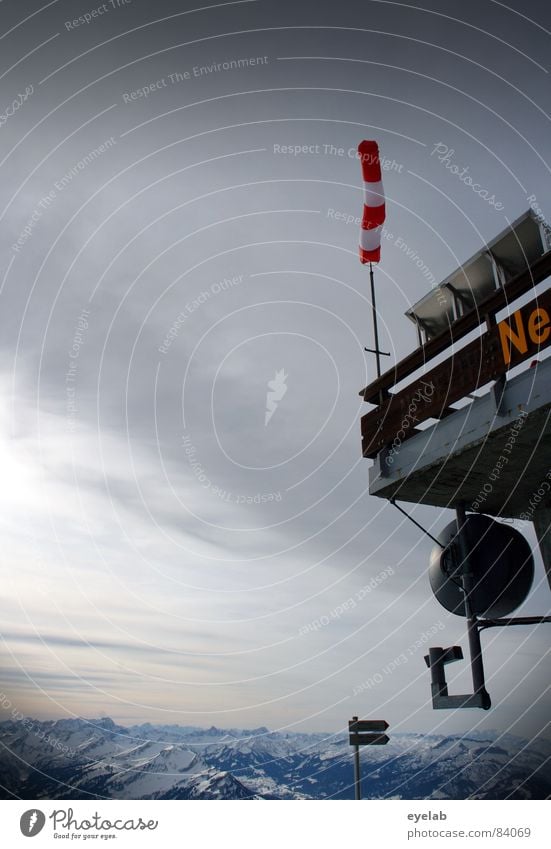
<point x="518" y="337"/>
<point x="499" y="300"/>
<point x="525" y="332"/>
<point x="369" y="739"/>
<point x="360" y="725"/>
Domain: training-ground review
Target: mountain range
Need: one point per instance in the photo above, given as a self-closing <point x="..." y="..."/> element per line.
<point x="98" y="759"/>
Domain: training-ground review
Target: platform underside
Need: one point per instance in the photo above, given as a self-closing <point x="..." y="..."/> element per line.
<point x="495" y="462"/>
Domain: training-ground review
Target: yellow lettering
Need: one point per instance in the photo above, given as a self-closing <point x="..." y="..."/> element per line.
<point x="517" y="339"/>
<point x="538" y="326"/>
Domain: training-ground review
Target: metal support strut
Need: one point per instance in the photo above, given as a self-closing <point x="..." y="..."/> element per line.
<point x="467" y="579"/>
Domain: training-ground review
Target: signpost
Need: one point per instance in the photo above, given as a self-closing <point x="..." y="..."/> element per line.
<point x="365" y="732"/>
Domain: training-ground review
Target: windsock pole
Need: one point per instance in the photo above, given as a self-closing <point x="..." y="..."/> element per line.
<point x="377" y="352"/>
<point x="372" y="225"/>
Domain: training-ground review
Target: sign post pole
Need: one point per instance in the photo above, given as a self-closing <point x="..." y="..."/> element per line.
<point x="360" y="731"/>
<point x="357" y="780"/>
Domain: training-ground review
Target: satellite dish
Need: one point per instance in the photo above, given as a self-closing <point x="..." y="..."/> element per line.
<point x="501" y="562"/>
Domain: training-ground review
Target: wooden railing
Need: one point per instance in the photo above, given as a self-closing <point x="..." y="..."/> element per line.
<point x="487" y="358"/>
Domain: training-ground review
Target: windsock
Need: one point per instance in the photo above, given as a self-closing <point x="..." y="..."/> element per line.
<point x="374" y="202"/>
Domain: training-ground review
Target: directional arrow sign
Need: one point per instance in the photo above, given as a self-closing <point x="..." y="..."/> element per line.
<point x="359" y="725"/>
<point x="369" y="739"/>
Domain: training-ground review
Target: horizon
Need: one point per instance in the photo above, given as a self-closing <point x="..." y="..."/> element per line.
<point x="263" y="730"/>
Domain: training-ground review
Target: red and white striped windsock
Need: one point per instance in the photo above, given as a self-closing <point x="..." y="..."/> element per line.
<point x="374" y="202"/>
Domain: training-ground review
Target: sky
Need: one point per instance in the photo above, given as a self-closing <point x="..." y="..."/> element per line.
<point x="178" y="241"/>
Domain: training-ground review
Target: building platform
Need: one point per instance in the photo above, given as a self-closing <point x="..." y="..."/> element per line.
<point x="495" y="462"/>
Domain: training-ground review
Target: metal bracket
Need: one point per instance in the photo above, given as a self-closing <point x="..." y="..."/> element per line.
<point x="517" y="620"/>
<point x="384" y="468"/>
<point x="500" y="272"/>
<point x="436" y="660"/>
<point x="373" y="351"/>
<point x="498" y="392"/>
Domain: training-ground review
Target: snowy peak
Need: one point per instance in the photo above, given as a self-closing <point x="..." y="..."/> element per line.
<point x="83" y="759"/>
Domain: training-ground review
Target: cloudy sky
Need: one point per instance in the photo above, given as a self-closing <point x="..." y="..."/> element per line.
<point x="170" y="178"/>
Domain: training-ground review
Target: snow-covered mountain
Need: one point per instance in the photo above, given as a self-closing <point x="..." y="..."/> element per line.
<point x="81" y="759"/>
<point x="77" y="758"/>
